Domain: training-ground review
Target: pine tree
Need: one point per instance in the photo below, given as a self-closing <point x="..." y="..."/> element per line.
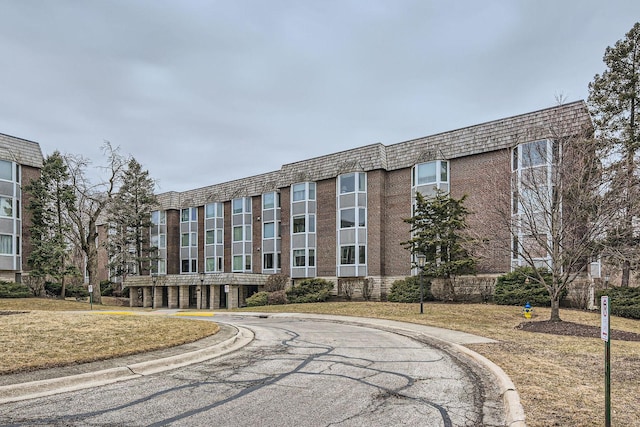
<point x="614" y="102"/>
<point x="51" y="198"/>
<point x="437" y="227"/>
<point x="129" y="217"/>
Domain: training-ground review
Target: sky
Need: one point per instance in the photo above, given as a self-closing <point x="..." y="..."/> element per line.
<point x="205" y="92"/>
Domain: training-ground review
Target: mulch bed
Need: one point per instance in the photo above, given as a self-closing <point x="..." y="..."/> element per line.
<point x="574" y="329"/>
<point x="6" y="313"/>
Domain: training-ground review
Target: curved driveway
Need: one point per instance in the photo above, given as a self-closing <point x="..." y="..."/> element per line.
<point x="296" y="372"/>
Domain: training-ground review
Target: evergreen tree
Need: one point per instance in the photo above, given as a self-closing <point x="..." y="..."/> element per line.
<point x="437" y="227"/>
<point x="129" y="216"/>
<point x="52" y="197"/>
<point x="614" y="102"/>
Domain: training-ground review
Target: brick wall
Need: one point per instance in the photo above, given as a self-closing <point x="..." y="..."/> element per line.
<point x="173" y="241"/>
<point x="376" y="209"/>
<point x="396" y="260"/>
<point x="326" y="227"/>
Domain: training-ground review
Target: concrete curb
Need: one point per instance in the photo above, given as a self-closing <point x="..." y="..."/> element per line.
<point x="514" y="415"/>
<point x="33" y="389"/>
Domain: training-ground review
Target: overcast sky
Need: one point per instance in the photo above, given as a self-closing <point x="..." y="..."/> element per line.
<point x="203" y="92"/>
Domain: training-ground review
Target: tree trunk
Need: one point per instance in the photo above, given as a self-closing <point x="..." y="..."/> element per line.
<point x="626" y="268"/>
<point x="555" y="309"/>
<point x="92" y="271"/>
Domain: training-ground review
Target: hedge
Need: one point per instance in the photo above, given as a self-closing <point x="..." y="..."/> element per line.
<point x="407" y="290"/>
<point x="14" y="290"/>
<point x="310" y="290"/>
<point x="624" y="301"/>
<point x="513" y="289"/>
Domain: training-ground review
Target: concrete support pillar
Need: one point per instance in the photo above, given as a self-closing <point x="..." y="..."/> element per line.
<point x="146" y="296"/>
<point x="134" y="300"/>
<point x="199" y="297"/>
<point x="214" y="302"/>
<point x="183" y="298"/>
<point x="172" y="296"/>
<point x="232" y="297"/>
<point x="157" y="298"/>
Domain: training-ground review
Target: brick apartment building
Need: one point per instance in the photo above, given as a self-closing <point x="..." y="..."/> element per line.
<point x="20" y="163"/>
<point x="339" y="216"/>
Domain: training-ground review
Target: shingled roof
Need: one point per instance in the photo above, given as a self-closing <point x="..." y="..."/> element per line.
<point x="21" y="151"/>
<point x="565" y="120"/>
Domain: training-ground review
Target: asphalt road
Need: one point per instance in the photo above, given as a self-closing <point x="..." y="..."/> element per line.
<point x="296" y="372"/>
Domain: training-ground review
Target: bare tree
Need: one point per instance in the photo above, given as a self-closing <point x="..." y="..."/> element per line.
<point x="555" y="212"/>
<point x="91" y="201"/>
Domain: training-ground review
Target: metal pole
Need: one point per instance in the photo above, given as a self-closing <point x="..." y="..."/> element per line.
<point x="607" y="372"/>
<point x="421" y="293"/>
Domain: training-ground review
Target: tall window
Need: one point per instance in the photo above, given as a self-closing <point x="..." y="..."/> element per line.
<point x="242" y="245"/>
<point x="6" y="244"/>
<point x="351" y="225"/>
<point x="214" y="237"/>
<point x="303" y="229"/>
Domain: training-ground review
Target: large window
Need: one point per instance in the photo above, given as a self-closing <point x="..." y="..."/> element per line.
<point x="6" y="170"/>
<point x="270" y="200"/>
<point x="6" y="244"/>
<point x="304" y="191"/>
<point x="241" y="205"/>
<point x="349" y="255"/>
<point x="213" y="210"/>
<point x="6" y="207"/>
<point x="431" y="173"/>
<point x="352" y="181"/>
<point x="348" y="217"/>
<point x="268" y="231"/>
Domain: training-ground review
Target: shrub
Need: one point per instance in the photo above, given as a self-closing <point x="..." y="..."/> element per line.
<point x="513" y="289"/>
<point x="310" y="290"/>
<point x="53" y="289"/>
<point x="14" y="290"/>
<point x="407" y="290"/>
<point x="276" y="282"/>
<point x="624" y="301"/>
<point x="277" y="298"/>
<point x="76" y="291"/>
<point x="106" y="288"/>
<point x="257" y="299"/>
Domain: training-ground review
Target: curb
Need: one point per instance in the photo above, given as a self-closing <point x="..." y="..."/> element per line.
<point x="33" y="389"/>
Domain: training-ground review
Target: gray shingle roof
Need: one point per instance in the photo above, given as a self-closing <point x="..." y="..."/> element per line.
<point x="21" y="151"/>
<point x="564" y="120"/>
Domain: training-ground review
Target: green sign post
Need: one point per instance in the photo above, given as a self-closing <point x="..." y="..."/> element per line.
<point x="605" y="334"/>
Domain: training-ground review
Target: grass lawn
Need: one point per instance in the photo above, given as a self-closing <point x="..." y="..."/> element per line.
<point x="560" y="379"/>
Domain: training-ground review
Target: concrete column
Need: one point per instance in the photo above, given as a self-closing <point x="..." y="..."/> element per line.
<point x="199" y="302"/>
<point x="172" y="296"/>
<point x="134" y="300"/>
<point x="214" y="302"/>
<point x="146" y="296"/>
<point x="157" y="299"/>
<point x="232" y="297"/>
<point x="183" y="298"/>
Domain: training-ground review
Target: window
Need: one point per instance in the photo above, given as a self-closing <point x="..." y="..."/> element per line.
<point x="302" y="190"/>
<point x="184" y="240"/>
<point x="210" y="237"/>
<point x="299" y="224"/>
<point x="247" y="262"/>
<point x="213" y="210"/>
<point x="184" y="215"/>
<point x="426" y="173"/>
<point x="430" y="173"/>
<point x="219" y="236"/>
<point x="194" y="239"/>
<point x="268" y="200"/>
<point x="210" y="264"/>
<point x="299" y="192"/>
<point x="155" y="217"/>
<point x="348" y="255"/>
<point x="237" y="234"/>
<point x="237" y="263"/>
<point x="312" y="257"/>
<point x="6" y="169"/>
<point x="267" y="261"/>
<point x="162" y="266"/>
<point x="237" y="206"/>
<point x="268" y="230"/>
<point x="185" y="266"/>
<point x="6" y="244"/>
<point x="350" y="182"/>
<point x="533" y="154"/>
<point x="362" y="252"/>
<point x="299" y="258"/>
<point x="348" y="217"/>
<point x="162" y="241"/>
<point x="6" y="206"/>
<point x="18" y="245"/>
<point x="153" y="241"/>
<point x="163" y="217"/>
